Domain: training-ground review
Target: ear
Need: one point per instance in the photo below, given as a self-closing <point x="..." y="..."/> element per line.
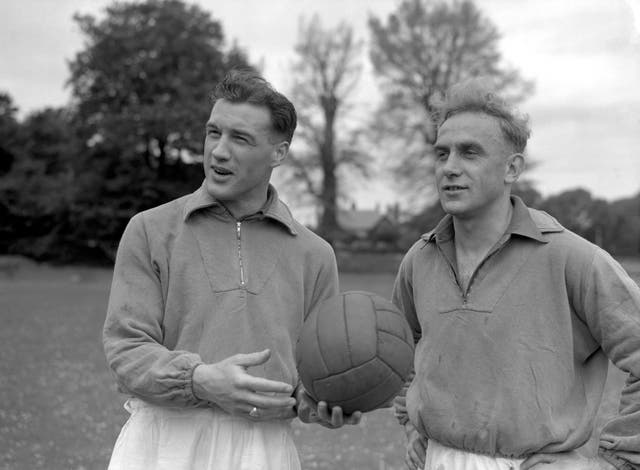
<point x="279" y="153"/>
<point x="514" y="167"/>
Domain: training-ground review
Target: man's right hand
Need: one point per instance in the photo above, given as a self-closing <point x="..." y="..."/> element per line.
<point x="229" y="386"/>
<point x="311" y="412"/>
<point x="416" y="447"/>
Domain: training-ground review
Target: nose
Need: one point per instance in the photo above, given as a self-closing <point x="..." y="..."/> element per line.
<point x="220" y="149"/>
<point x="451" y="166"/>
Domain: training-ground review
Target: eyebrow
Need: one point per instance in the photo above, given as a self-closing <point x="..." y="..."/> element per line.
<point x="459" y="145"/>
<point x="241" y="133"/>
<point x="234" y="131"/>
<point x="470" y="144"/>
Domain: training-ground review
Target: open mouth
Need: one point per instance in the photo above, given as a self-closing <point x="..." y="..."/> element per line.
<point x="453" y="187"/>
<point x="221" y="170"/>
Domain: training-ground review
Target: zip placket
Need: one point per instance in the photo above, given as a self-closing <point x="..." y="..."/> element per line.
<point x="239" y="238"/>
<point x="464" y="293"/>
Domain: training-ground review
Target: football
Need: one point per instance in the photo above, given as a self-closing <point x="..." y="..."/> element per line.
<point x="355" y="351"/>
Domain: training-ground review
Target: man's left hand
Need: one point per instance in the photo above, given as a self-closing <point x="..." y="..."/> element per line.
<point x="565" y="461"/>
<point x="311" y="412"/>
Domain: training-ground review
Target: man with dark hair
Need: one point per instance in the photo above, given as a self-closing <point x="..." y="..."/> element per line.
<point x="514" y="316"/>
<point x="208" y="297"/>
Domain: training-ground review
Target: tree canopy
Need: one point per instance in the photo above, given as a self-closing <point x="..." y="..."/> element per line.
<point x="142" y="81"/>
<point x="131" y="138"/>
<point x="326" y="70"/>
<point x="35" y="194"/>
<point x="140" y="90"/>
<point x="9" y="130"/>
<point x="417" y="53"/>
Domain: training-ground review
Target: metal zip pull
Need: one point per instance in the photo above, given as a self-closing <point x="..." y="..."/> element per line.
<point x="239" y="238"/>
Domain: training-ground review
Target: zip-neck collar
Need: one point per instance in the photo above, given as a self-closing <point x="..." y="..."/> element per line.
<point x="273" y="208"/>
<point x="526" y="222"/>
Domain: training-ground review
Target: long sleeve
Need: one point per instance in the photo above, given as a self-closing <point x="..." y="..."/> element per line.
<point x="133" y="331"/>
<point x="326" y="286"/>
<point x="326" y="283"/>
<point x="611" y="302"/>
<point x="402" y="297"/>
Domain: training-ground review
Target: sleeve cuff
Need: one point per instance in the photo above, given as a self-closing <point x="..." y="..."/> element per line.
<point x="189" y="389"/>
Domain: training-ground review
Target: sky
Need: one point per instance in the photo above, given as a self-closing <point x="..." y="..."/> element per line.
<point x="583" y="55"/>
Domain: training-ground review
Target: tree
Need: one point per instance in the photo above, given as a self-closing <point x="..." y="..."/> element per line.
<point x="325" y="72"/>
<point x="579" y="212"/>
<point x="425" y="220"/>
<point x="37" y="192"/>
<point x="525" y="190"/>
<point x="142" y="81"/>
<point x="140" y="93"/>
<point x="423" y="48"/>
<point x="9" y="132"/>
<point x="9" y="150"/>
<point x="624" y="233"/>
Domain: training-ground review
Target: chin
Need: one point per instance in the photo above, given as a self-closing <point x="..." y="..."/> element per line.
<point x="453" y="208"/>
<point x="217" y="191"/>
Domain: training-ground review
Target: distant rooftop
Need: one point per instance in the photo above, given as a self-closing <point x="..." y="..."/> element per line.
<point x="357" y="220"/>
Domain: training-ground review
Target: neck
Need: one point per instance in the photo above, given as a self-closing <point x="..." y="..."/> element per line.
<point x="244" y="208"/>
<point x="479" y="233"/>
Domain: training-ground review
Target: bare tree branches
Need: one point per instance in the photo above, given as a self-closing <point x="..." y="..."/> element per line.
<point x="326" y="71"/>
<point x="423" y="48"/>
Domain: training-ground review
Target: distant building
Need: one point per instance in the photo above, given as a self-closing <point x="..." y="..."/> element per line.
<point x="369" y="228"/>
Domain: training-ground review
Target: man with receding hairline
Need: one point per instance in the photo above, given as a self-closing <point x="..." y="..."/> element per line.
<point x="208" y="297"/>
<point x="514" y="316"/>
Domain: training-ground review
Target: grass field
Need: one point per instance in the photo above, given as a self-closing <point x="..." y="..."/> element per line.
<point x="58" y="405"/>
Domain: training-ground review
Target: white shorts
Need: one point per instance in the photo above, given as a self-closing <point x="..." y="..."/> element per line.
<point x="158" y="438"/>
<point x="440" y="457"/>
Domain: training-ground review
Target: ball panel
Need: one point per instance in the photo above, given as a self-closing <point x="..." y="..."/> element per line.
<point x="360" y="319"/>
<point x="395" y="353"/>
<point x="331" y="334"/>
<point x="393" y="322"/>
<point x="310" y="363"/>
<point x="374" y="397"/>
<point x="383" y="304"/>
<point x="352" y="382"/>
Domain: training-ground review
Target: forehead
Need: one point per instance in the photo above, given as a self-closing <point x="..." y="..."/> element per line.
<point x="471" y="127"/>
<point x="241" y="116"/>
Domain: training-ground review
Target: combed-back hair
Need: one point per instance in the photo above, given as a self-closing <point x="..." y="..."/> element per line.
<point x="247" y="86"/>
<point x="477" y="95"/>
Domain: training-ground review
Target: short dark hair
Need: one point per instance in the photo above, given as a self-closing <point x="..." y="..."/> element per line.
<point x="478" y="95"/>
<point x="247" y="86"/>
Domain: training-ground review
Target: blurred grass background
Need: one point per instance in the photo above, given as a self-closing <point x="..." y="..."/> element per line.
<point x="59" y="408"/>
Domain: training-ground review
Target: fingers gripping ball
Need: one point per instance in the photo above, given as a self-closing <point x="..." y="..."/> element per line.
<point x="355" y="351"/>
